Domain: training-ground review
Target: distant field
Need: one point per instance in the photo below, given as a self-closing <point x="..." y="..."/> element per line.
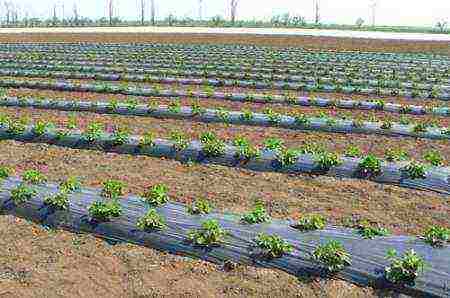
<point x="258" y="31"/>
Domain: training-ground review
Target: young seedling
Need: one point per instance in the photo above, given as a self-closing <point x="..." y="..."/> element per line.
<point x="120" y="136"/>
<point x="369" y="230"/>
<point x="257" y="215"/>
<point x="180" y="141"/>
<point x="403" y="270"/>
<point x="369" y="166"/>
<point x="93" y="131"/>
<point x="332" y="255"/>
<point x="22" y="193"/>
<point x="273" y="246"/>
<point x="58" y="201"/>
<point x="287" y="157"/>
<point x="311" y="222"/>
<point x="353" y="151"/>
<point x="34" y="177"/>
<point x="210" y="234"/>
<point x="175" y="107"/>
<point x="104" y="211"/>
<point x="112" y="189"/>
<point x="437" y="236"/>
<point x="72" y="184"/>
<point x="200" y="207"/>
<point x="247" y="115"/>
<point x="415" y="170"/>
<point x="156" y="195"/>
<point x="434" y="158"/>
<point x="196" y="109"/>
<point x="151" y="221"/>
<point x="5" y="172"/>
<point x="212" y="145"/>
<point x="396" y="154"/>
<point x="302" y="120"/>
<point x="326" y="160"/>
<point x="147" y="140"/>
<point x="273" y="144"/>
<point x="41" y="127"/>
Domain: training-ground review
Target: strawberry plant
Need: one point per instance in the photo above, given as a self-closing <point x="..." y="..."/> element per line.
<point x="72" y="184"/>
<point x="112" y="189"/>
<point x="396" y="154"/>
<point x="200" y="207"/>
<point x="196" y="109"/>
<point x="386" y="124"/>
<point x="104" y="211"/>
<point x="434" y="158"/>
<point x="332" y="255"/>
<point x="246" y="115"/>
<point x="223" y="114"/>
<point x="302" y="120"/>
<point x="415" y="170"/>
<point x="175" y="107"/>
<point x="120" y="136"/>
<point x="209" y="234"/>
<point x="93" y="131"/>
<point x="311" y="222"/>
<point x="257" y="215"/>
<point x="369" y="166"/>
<point x="147" y="140"/>
<point x="17" y="127"/>
<point x="404" y="270"/>
<point x="180" y="140"/>
<point x="151" y="221"/>
<point x="273" y="246"/>
<point x="369" y="230"/>
<point x="326" y="160"/>
<point x="131" y="104"/>
<point x="353" y="151"/>
<point x="58" y="201"/>
<point x="5" y="172"/>
<point x="287" y="157"/>
<point x="156" y="195"/>
<point x="212" y="146"/>
<point x="40" y="127"/>
<point x="22" y="193"/>
<point x="34" y="177"/>
<point x="437" y="236"/>
<point x="272" y="116"/>
<point x="273" y="144"/>
<point x="420" y="128"/>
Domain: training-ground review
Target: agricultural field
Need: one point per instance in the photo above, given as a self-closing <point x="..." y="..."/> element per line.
<point x="153" y="168"/>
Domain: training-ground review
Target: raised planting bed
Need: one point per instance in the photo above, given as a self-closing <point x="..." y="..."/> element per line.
<point x="227" y="239"/>
<point x="404" y="174"/>
<point x="270" y="118"/>
<point x="325" y="85"/>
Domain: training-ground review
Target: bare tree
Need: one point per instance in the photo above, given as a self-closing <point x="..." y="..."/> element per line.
<point x="142" y="12"/>
<point x="8" y="11"/>
<point x="233" y="9"/>
<point x="200" y="9"/>
<point x="111" y="11"/>
<point x="153" y="12"/>
<point x="373" y="7"/>
<point x="75" y="14"/>
<point x="316" y="12"/>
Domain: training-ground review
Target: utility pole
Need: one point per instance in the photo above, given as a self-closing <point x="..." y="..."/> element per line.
<point x="316" y="12"/>
<point x="373" y="7"/>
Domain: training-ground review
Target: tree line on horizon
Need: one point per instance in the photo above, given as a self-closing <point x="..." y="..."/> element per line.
<point x="13" y="16"/>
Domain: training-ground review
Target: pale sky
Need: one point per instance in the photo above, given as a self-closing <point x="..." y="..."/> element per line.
<point x="389" y="12"/>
